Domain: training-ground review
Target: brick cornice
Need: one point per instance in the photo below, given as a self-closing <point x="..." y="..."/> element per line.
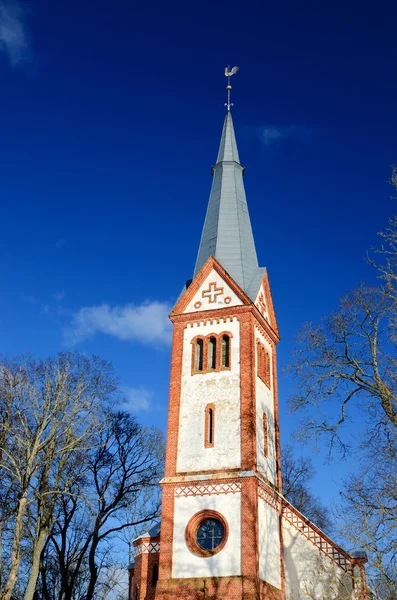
<point x="228" y="313"/>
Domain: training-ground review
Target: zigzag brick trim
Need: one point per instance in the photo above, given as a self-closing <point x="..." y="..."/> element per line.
<point x="207" y="489"/>
<point x="268" y="496"/>
<point x="147" y="548"/>
<point x="316" y="537"/>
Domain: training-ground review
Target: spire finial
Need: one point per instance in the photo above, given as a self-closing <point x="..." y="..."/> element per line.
<point x="228" y="73"/>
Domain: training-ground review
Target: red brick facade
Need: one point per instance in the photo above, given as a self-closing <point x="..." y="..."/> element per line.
<point x="247" y="480"/>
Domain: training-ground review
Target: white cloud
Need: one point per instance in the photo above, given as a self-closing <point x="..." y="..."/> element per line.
<point x="273" y="133"/>
<point x="147" y="323"/>
<point x="13" y="33"/>
<point x="137" y="399"/>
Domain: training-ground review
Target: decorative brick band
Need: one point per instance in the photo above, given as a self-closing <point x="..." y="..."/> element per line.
<point x="316" y="537"/>
<point x="268" y="496"/>
<point x="147" y="548"/>
<point x="214" y="321"/>
<point x="208" y="489"/>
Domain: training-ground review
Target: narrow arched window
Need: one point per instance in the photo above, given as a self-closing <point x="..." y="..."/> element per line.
<point x="263" y="362"/>
<point x="209" y="433"/>
<point x="265" y="436"/>
<point x="258" y="358"/>
<point x="211" y="426"/>
<point x="212" y="353"/>
<point x="225" y="351"/>
<point x="155" y="574"/>
<point x="267" y="369"/>
<point x="198" y="362"/>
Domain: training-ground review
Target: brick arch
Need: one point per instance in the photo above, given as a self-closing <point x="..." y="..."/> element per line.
<point x="218" y="359"/>
<point x="194" y="342"/>
<point x="263" y="363"/>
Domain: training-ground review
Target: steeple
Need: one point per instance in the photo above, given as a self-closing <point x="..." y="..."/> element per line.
<point x="227" y="232"/>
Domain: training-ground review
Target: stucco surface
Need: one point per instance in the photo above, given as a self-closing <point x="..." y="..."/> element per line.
<point x="265" y="404"/>
<point x="222" y="295"/>
<point x="309" y="573"/>
<point x="222" y="389"/>
<point x="269" y="544"/>
<point x="228" y="561"/>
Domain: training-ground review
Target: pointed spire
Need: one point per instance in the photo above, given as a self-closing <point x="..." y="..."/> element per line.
<point x="227" y="232"/>
<point x="228" y="146"/>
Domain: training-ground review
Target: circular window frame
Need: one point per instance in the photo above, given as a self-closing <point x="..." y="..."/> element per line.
<point x="191" y="532"/>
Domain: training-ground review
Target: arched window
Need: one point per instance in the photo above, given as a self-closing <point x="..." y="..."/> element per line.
<point x="198" y="359"/>
<point x="258" y="358"/>
<point x="262" y="362"/>
<point x="267" y="369"/>
<point x="209" y="432"/>
<point x="265" y="436"/>
<point x="211" y="353"/>
<point x="225" y="352"/>
<point x="155" y="574"/>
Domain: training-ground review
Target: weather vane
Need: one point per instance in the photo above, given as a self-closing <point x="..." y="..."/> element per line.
<point x="228" y="74"/>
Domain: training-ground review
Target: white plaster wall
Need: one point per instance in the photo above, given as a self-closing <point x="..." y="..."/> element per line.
<point x="269" y="544"/>
<point x="221" y="389"/>
<point x="231" y="298"/>
<point x="228" y="561"/>
<point x="265" y="403"/>
<point x="309" y="573"/>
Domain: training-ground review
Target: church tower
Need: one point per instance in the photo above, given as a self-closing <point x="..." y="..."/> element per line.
<point x="226" y="530"/>
<point x="220" y="517"/>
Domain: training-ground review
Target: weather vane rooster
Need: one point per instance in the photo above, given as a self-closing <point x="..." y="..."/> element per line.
<point x="228" y="73"/>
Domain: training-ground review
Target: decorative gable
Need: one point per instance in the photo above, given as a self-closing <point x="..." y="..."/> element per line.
<point x="213" y="293"/>
<point x="260" y="303"/>
<point x="264" y="303"/>
<point x="211" y="289"/>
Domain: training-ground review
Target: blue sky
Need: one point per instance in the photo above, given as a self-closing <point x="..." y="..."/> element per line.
<point x="111" y="116"/>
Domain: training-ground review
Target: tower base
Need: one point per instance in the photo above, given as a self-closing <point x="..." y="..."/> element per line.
<point x="217" y="588"/>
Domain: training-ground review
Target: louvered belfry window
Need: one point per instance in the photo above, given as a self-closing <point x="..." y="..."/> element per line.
<point x="199" y="350"/>
<point x="212" y="353"/>
<point x="225" y="351"/>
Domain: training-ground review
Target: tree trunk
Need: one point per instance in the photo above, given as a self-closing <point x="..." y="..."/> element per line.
<point x="35" y="568"/>
<point x="16" y="551"/>
<point x="93" y="569"/>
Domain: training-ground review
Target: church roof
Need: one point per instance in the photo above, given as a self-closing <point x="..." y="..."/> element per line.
<point x="154" y="531"/>
<point x="227" y="232"/>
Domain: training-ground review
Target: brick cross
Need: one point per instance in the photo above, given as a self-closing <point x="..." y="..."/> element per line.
<point x="212" y="293"/>
<point x="262" y="305"/>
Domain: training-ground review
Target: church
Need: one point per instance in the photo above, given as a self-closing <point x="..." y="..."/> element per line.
<point x="226" y="529"/>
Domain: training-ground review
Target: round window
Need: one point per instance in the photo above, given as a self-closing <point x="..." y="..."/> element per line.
<point x="206" y="533"/>
<point x="210" y="534"/>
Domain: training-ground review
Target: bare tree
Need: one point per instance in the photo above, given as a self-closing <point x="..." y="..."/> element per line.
<point x="50" y="410"/>
<point x="368" y="513"/>
<point x="297" y="473"/>
<point x="346" y="372"/>
<point x="124" y="465"/>
<point x="347" y="362"/>
<point x="385" y="258"/>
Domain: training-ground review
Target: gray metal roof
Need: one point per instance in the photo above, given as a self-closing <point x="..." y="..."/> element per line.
<point x="227" y="232"/>
<point x="154" y="531"/>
